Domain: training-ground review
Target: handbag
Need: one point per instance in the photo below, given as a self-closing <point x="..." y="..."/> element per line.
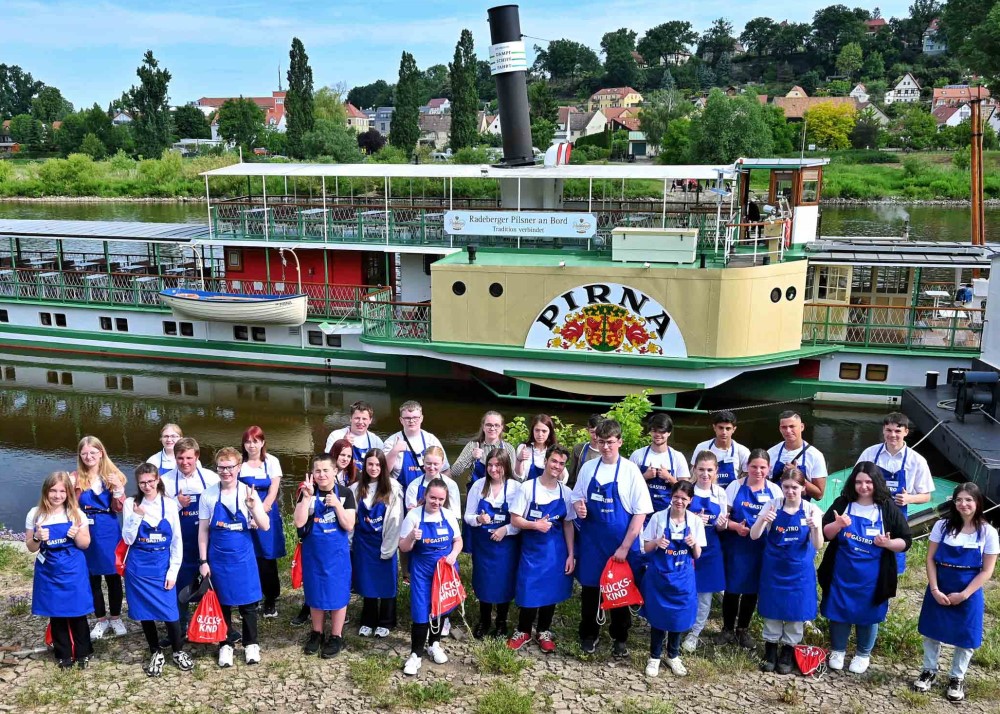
<point x="297" y="566"/>
<point x="618" y="588"/>
<point x="810" y="659"/>
<point x="207" y="625"/>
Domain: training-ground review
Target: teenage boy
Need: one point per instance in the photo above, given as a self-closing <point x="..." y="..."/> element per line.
<point x="795" y="450"/>
<point x="405" y="449"/>
<point x="611" y="502"/>
<point x="731" y="454"/>
<point x="358" y="433"/>
<point x="585" y="450"/>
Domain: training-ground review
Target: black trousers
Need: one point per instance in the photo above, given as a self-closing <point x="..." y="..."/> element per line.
<point x="379" y="612"/>
<point x="526" y="618"/>
<point x="421" y="633"/>
<point x="115" y="595"/>
<point x="153" y="637"/>
<point x="737" y="610"/>
<point x="270" y="583"/>
<point x="248" y="613"/>
<point x="71" y="637"/>
<point x="486" y="613"/>
<point x="620" y="617"/>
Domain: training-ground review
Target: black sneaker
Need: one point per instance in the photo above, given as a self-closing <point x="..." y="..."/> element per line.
<point x="744" y="640"/>
<point x="314" y="642"/>
<point x="770" y="657"/>
<point x="956" y="690"/>
<point x="334" y="644"/>
<point x="619" y="650"/>
<point x="65" y="664"/>
<point x="302" y="618"/>
<point x="84" y="662"/>
<point x="727" y="637"/>
<point x="270" y="610"/>
<point x="925" y="681"/>
<point x="479" y="631"/>
<point x="786" y="660"/>
<point x="500" y="631"/>
<point x="589" y="647"/>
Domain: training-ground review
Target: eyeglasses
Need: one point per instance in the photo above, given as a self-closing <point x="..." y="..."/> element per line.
<point x="606" y="442"/>
<point x="412" y="418"/>
<point x="221" y="467"/>
<point x="493" y="426"/>
<point x="143" y="484"/>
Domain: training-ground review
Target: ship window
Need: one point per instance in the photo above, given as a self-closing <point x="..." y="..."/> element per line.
<point x="877" y="372"/>
<point x="169" y="327"/>
<point x="3" y="316"/>
<point x="127" y="383"/>
<point x="241" y="332"/>
<point x="187" y="329"/>
<point x="775" y="294"/>
<point x="850" y="370"/>
<point x="45" y="318"/>
<point x="861" y="279"/>
<point x="121" y="324"/>
<point x="496" y="289"/>
<point x="234" y="259"/>
<point x="833" y="283"/>
<point x="259" y="334"/>
<point x="9" y="373"/>
<point x="458" y="287"/>
<point x="790" y="293"/>
<point x="110" y="382"/>
<point x="893" y="281"/>
<point x="67" y="379"/>
<point x="173" y="386"/>
<point x="52" y="377"/>
<point x="333" y="341"/>
<point x="105" y="323"/>
<point x="810" y="187"/>
<point x="190" y="388"/>
<point x="60" y="319"/>
<point x="315" y="338"/>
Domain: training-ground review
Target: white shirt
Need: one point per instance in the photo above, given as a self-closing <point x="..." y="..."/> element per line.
<point x="715" y="494"/>
<point x="813" y="462"/>
<point x="368" y="441"/>
<point x="988" y="542"/>
<point x="393" y="515"/>
<point x="808" y="507"/>
<point x="155" y="510"/>
<point x="454" y="495"/>
<point x="536" y="459"/>
<point x="918" y="473"/>
<point x="233" y="500"/>
<point x="163" y="460"/>
<point x="475" y="495"/>
<point x="773" y="489"/>
<point x="662" y="461"/>
<point x="658" y="523"/>
<point x="534" y="490"/>
<point x="273" y="469"/>
<point x="175" y="483"/>
<point x="423" y="441"/>
<point x="632" y="489"/>
<point x="737" y="454"/>
<point x="53" y="519"/>
<point x="412" y="521"/>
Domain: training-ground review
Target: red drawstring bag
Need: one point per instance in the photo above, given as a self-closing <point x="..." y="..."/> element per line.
<point x="207" y="625"/>
<point x="618" y="587"/>
<point x="297" y="567"/>
<point x="48" y="634"/>
<point x="121" y="553"/>
<point x="810" y="659"/>
<point x="447" y="591"/>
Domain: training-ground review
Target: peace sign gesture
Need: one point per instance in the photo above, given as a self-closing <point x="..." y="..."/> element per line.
<point x="307" y="486"/>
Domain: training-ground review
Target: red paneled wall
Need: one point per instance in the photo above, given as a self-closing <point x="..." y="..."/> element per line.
<point x="344" y="266"/>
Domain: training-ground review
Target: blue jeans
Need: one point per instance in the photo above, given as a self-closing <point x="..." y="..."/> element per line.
<point x="656" y="638"/>
<point x="840" y="632"/>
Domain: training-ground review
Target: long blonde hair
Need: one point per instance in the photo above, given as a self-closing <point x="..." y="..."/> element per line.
<point x="105" y="467"/>
<point x="72" y="506"/>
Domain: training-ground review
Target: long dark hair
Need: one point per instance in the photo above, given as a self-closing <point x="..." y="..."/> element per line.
<point x="143" y="470"/>
<point x="503" y="458"/>
<point x="383" y="488"/>
<point x="547" y="421"/>
<point x="955" y="522"/>
<point x="880" y="491"/>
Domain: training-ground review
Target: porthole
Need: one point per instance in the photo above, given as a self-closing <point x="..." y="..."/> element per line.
<point x="776" y="295"/>
<point x="791" y="293"/>
<point x="496" y="289"/>
<point x="458" y="287"/>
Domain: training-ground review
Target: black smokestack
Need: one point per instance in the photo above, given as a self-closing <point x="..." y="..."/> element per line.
<point x="509" y="64"/>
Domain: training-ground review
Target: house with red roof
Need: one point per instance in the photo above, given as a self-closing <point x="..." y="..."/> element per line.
<point x="356" y="119"/>
<point x="875" y="25"/>
<point x="438" y="105"/>
<point x="955" y="94"/>
<point x="273" y="107"/>
<point x="610" y="97"/>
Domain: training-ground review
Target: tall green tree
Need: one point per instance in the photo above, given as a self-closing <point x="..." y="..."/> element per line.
<point x="404" y="129"/>
<point x="791" y="38"/>
<point x="331" y="139"/>
<point x="328" y="103"/>
<point x="464" y="93"/>
<point x="299" y="99"/>
<point x="873" y="68"/>
<point x="191" y="123"/>
<point x="835" y="26"/>
<point x="659" y="110"/>
<point x="241" y="122"/>
<point x="26" y="130"/>
<point x="917" y="129"/>
<point x="717" y="41"/>
<point x="435" y="82"/>
<point x="543" y="132"/>
<point x="850" y="59"/>
<point x="566" y="60"/>
<point x="17" y="89"/>
<point x="50" y="106"/>
<point x="665" y="39"/>
<point x="730" y="127"/>
<point x="149" y="107"/>
<point x="620" y="68"/>
<point x="541" y="103"/>
<point x="369" y="96"/>
<point x="759" y="34"/>
<point x="973" y="31"/>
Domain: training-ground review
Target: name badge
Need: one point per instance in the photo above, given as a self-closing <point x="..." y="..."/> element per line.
<point x="805" y="522"/>
<point x="971" y="541"/>
<point x="534" y="514"/>
<point x="597" y="497"/>
<point x="893" y="485"/>
<point x="235" y="526"/>
<point x="442" y="531"/>
<point x="872" y="531"/>
<point x="40" y="557"/>
<point x="763" y="497"/>
<point x="90" y="521"/>
<point x="156" y="538"/>
<point x="499" y="518"/>
<point x="674" y="535"/>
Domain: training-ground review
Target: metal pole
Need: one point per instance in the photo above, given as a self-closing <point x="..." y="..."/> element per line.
<point x="208" y="202"/>
<point x="386" y="222"/>
<point x="263" y="181"/>
<point x="663" y="215"/>
<point x="590" y="194"/>
<point x="325" y="216"/>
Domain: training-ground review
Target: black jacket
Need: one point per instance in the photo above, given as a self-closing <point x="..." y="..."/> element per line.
<point x="893" y="523"/>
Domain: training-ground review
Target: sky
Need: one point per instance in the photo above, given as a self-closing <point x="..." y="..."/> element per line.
<point x="90" y="49"/>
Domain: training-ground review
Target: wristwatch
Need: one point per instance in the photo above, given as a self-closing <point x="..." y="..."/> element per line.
<point x="35" y="538"/>
<point x="202" y="562"/>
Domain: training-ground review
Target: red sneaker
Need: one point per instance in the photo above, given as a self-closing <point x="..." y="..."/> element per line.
<point x="546" y="643"/>
<point x="519" y="640"/>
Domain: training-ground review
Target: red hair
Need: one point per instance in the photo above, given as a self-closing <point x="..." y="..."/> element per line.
<point x="254" y="433"/>
<point x="351" y="472"/>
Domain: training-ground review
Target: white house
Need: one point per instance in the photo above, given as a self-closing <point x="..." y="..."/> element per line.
<point x="951" y="115"/>
<point x="585" y="124"/>
<point x="906" y="90"/>
<point x="494" y="127"/>
<point x="860" y="93"/>
<point x="121" y="118"/>
<point x="934" y="42"/>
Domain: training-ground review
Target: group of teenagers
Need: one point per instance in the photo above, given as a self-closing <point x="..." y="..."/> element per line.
<point x="732" y="521"/>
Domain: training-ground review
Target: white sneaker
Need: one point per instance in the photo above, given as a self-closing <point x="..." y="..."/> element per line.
<point x="118" y="627"/>
<point x="381" y="631"/>
<point x="652" y="667"/>
<point x="183" y="661"/>
<point x="690" y="644"/>
<point x="100" y="627"/>
<point x="437" y="654"/>
<point x="252" y="654"/>
<point x="859" y="664"/>
<point x="677" y="667"/>
<point x="412" y="665"/>
<point x="365" y="631"/>
<point x="226" y="656"/>
<point x="836" y="661"/>
<point x="446" y="627"/>
<point x="155" y="666"/>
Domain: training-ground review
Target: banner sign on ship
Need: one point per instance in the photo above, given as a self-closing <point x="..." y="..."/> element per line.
<point x="508" y="57"/>
<point x="606" y="317"/>
<point x="525" y="223"/>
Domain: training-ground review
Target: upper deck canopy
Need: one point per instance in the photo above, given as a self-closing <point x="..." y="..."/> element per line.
<point x="899" y="253"/>
<point x="104" y="230"/>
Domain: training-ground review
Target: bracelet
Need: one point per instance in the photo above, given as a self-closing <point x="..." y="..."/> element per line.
<point x="202" y="562"/>
<point x="35" y="538"/>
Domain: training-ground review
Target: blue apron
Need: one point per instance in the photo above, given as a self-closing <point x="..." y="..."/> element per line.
<point x="541" y="578"/>
<point x="105" y="532"/>
<point x="779" y="468"/>
<point x="788" y="575"/>
<point x="188" y="516"/>
<point x="146" y="571"/>
<point x="743" y="556"/>
<point x="533" y="471"/>
<point x="896" y="481"/>
<point x="478" y="472"/>
<point x="231" y="557"/>
<point x="727" y="470"/>
<point x="326" y="559"/>
<point x="269" y="544"/>
<point x="359" y="454"/>
<point x="710" y="571"/>
<point x="659" y="489"/>
<point x="855" y="574"/>
<point x="958" y="625"/>
<point x="437" y="540"/>
<point x="164" y="471"/>
<point x="668" y="589"/>
<point x="603" y="531"/>
<point x="373" y="576"/>
<point x="412" y="468"/>
<point x="494" y="564"/>
<point x="61" y="582"/>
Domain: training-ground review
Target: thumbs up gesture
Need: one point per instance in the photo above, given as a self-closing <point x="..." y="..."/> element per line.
<point x="543" y="524"/>
<point x="841" y="520"/>
<point x="73" y="530"/>
<point x="483" y="518"/>
<point x="139" y="510"/>
<point x="882" y="539"/>
<point x="901" y="498"/>
<point x="705" y="518"/>
<point x="689" y="540"/>
<point x="770" y="514"/>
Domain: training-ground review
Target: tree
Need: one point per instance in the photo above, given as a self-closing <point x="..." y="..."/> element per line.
<point x="148" y="104"/>
<point x="404" y="129"/>
<point x="435" y="82"/>
<point x="730" y="127"/>
<point x="331" y="139"/>
<point x="973" y="31"/>
<point x="541" y="103"/>
<point x="850" y="59"/>
<point x="17" y="88"/>
<point x="706" y="77"/>
<point x="191" y="123"/>
<point x="791" y="38"/>
<point x="26" y="130"/>
<point x="675" y="144"/>
<point x="95" y="121"/>
<point x="327" y="104"/>
<point x="783" y="134"/>
<point x="836" y="26"/>
<point x="620" y="68"/>
<point x="917" y="129"/>
<point x="370" y="141"/>
<point x="566" y="60"/>
<point x="759" y="35"/>
<point x="873" y="68"/>
<point x="665" y="39"/>
<point x="829" y="125"/>
<point x="464" y="95"/>
<point x="543" y="132"/>
<point x="241" y="122"/>
<point x="486" y="86"/>
<point x="376" y="94"/>
<point x="667" y="82"/>
<point x="660" y="109"/>
<point x="93" y="147"/>
<point x="867" y="131"/>
<point x="299" y="99"/>
<point x="49" y="106"/>
<point x="717" y="41"/>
